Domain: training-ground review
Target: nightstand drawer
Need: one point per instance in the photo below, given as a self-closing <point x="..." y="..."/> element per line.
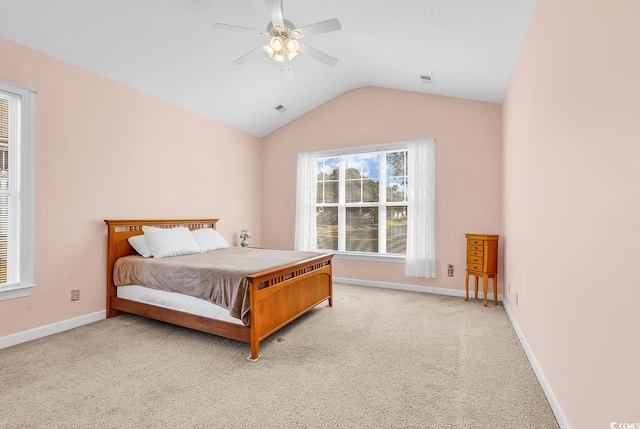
<point x="474" y="247"/>
<point x="475" y="242"/>
<point x="474" y="259"/>
<point x="471" y="253"/>
<point x="474" y="267"/>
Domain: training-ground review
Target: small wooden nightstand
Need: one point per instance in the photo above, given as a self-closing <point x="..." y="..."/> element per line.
<point x="482" y="260"/>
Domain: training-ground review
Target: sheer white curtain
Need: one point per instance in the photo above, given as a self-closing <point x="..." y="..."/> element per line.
<point x="306" y="190"/>
<point x="421" y="253"/>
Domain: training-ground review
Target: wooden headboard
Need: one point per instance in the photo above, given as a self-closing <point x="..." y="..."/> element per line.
<point x="118" y="245"/>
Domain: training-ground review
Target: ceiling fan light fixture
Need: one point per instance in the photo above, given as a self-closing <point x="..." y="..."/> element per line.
<point x="268" y="50"/>
<point x="275" y="56"/>
<point x="286" y="46"/>
<point x="292" y="46"/>
<point x="276" y="43"/>
<point x="279" y="56"/>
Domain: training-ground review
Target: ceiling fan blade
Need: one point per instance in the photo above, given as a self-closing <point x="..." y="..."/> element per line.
<point x="275" y="12"/>
<point x="319" y="28"/>
<point x="238" y="28"/>
<point x="318" y="55"/>
<point x="246" y="57"/>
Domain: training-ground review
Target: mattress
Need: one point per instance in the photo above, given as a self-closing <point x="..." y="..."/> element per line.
<point x="176" y="301"/>
<point x="219" y="276"/>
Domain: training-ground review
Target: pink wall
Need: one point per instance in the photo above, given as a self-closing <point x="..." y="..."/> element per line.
<point x="104" y="150"/>
<point x="468" y="169"/>
<point x="571" y="206"/>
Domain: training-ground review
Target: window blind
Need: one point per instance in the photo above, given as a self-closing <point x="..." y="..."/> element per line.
<point x="4" y="121"/>
<point x="9" y="266"/>
<point x="16" y="190"/>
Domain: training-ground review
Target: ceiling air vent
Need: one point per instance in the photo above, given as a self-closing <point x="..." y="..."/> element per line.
<point x="426" y="78"/>
<point x="280" y="108"/>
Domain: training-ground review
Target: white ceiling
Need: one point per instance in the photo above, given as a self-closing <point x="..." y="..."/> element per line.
<point x="169" y="48"/>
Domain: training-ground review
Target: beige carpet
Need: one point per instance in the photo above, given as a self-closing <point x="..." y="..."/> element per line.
<point x="377" y="359"/>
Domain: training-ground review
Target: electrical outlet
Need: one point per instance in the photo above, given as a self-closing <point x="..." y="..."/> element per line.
<point x="75" y="295"/>
<point x="516" y="298"/>
<point x="450" y="270"/>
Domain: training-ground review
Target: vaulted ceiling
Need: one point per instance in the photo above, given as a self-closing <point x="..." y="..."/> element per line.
<point x="170" y="49"/>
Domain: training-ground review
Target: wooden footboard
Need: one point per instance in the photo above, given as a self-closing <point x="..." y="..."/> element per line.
<point x="277" y="296"/>
<point x="280" y="296"/>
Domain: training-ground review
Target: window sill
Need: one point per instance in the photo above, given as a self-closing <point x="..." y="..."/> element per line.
<point x="15" y="291"/>
<point x="397" y="259"/>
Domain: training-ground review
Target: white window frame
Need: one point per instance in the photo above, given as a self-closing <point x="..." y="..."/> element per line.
<point x="21" y="143"/>
<point x="381" y="204"/>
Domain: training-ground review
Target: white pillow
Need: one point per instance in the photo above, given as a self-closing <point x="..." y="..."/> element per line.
<point x="165" y="242"/>
<point x="140" y="245"/>
<point x="209" y="239"/>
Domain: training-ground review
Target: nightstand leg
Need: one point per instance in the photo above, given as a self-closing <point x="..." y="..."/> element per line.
<point x="495" y="290"/>
<point x="476" y="295"/>
<point x="466" y="286"/>
<point x="485" y="288"/>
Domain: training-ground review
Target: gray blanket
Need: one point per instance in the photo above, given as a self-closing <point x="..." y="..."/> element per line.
<point x="218" y="276"/>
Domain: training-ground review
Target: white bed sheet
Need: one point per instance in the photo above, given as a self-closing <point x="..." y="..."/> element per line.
<point x="176" y="301"/>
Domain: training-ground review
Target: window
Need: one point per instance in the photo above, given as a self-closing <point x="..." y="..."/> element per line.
<point x="16" y="190"/>
<point x="361" y="202"/>
<point x="370" y="202"/>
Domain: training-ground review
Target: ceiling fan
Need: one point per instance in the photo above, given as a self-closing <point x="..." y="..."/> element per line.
<point x="284" y="44"/>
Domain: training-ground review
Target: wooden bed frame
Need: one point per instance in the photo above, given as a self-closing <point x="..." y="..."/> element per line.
<point x="277" y="296"/>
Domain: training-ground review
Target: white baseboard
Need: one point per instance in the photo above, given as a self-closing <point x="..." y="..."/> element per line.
<point x="412" y="288"/>
<point x="54" y="328"/>
<point x="551" y="397"/>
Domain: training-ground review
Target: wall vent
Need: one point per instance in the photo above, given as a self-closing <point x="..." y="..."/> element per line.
<point x="426" y="78"/>
<point x="280" y="108"/>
